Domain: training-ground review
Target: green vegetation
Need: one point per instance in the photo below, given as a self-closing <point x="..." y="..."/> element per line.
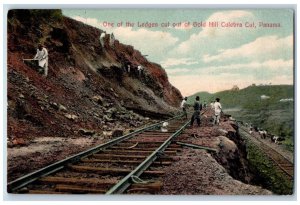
<point x="247" y="105"/>
<point x="266" y="174"/>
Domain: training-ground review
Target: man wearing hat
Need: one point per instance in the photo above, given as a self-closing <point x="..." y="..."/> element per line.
<point x="42" y="57"/>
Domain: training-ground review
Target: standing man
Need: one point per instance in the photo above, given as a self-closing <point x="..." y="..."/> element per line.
<point x="128" y="68"/>
<point x="42" y="57"/>
<point x="196" y="115"/>
<point x="102" y="39"/>
<point x="218" y="110"/>
<point x="111" y="40"/>
<point x="183" y="105"/>
<point x="140" y="70"/>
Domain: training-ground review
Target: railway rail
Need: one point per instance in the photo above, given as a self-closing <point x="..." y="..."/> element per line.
<point x="128" y="164"/>
<point x="284" y="165"/>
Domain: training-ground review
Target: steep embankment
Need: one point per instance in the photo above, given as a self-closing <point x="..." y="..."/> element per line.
<point x="86" y="88"/>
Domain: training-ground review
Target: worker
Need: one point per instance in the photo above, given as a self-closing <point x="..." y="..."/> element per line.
<point x="42" y="57"/>
<point x="183" y="105"/>
<point x="111" y="40"/>
<point x="102" y="36"/>
<point x="140" y="70"/>
<point x="196" y="115"/>
<point x="128" y="68"/>
<point x="218" y="110"/>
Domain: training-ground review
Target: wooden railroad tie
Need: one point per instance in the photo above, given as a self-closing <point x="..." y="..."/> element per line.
<point x="112" y="170"/>
<point x="78" y="189"/>
<point x="143" y="149"/>
<point x="146" y="153"/>
<point x="78" y="181"/>
<point x="124" y="161"/>
<point x="116" y="156"/>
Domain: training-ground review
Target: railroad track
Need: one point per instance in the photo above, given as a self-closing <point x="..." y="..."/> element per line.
<point x="285" y="166"/>
<point x="129" y="164"/>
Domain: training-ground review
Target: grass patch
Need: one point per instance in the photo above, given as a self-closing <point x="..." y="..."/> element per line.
<point x="266" y="173"/>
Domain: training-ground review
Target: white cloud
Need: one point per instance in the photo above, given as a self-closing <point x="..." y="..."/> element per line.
<point x="90" y="21"/>
<point x="191" y="84"/>
<point x="147" y="41"/>
<point x="176" y="71"/>
<point x="200" y="38"/>
<point x="272" y="65"/>
<point x="266" y="46"/>
<point x="224" y="16"/>
<point x="217" y="78"/>
<point x="177" y="61"/>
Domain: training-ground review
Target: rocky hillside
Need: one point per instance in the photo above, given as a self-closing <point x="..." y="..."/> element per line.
<point x="87" y="88"/>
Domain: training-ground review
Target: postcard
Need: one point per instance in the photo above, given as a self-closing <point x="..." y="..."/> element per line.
<point x="151" y="101"/>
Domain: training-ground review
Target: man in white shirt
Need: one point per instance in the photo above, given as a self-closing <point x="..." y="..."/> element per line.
<point x="183" y="105"/>
<point x="42" y="57"/>
<point x="218" y="110"/>
<point x="128" y="68"/>
<point x="140" y="70"/>
<point x="111" y="40"/>
<point x="102" y="36"/>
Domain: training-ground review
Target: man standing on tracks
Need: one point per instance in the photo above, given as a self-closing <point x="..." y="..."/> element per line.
<point x="183" y="105"/>
<point x="196" y="115"/>
<point x="218" y="110"/>
<point x="42" y="57"/>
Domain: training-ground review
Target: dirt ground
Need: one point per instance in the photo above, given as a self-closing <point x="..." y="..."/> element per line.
<point x="44" y="151"/>
<point x="196" y="172"/>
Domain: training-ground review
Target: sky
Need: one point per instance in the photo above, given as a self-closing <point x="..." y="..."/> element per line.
<point x="199" y="55"/>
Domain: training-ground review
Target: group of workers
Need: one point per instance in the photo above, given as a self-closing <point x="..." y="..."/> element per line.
<point x="42" y="57"/>
<point x="139" y="70"/>
<point x="216" y="106"/>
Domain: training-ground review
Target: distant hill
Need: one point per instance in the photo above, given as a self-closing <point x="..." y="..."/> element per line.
<point x="249" y="97"/>
<point x="269" y="107"/>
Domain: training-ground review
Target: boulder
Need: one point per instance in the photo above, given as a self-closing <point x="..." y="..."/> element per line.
<point x="54" y="105"/>
<point x="18" y="142"/>
<point x="112" y="110"/>
<point x="62" y="108"/>
<point x="86" y="132"/>
<point x="107" y="133"/>
<point x="222" y="131"/>
<point x="108" y="119"/>
<point x="71" y="116"/>
<point x="226" y="144"/>
<point x="117" y="133"/>
<point x="98" y="99"/>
